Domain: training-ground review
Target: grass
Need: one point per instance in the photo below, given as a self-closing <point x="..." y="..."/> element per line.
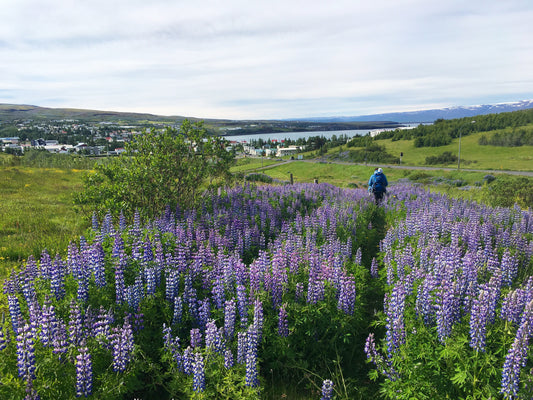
<point x="37" y="213"/>
<point x="473" y="156"/>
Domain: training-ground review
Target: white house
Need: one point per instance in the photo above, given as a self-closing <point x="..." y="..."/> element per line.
<point x="287" y="151"/>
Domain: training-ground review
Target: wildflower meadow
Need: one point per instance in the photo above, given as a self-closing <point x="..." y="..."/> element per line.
<point x="304" y="291"/>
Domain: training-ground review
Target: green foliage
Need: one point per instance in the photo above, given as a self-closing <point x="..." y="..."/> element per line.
<point x="433" y="140"/>
<point x="515" y="138"/>
<point x="505" y="191"/>
<point x="157" y="170"/>
<point x="373" y="153"/>
<point x="445" y="158"/>
<point x="255" y="177"/>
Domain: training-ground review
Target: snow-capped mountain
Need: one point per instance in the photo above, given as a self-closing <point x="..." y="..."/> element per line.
<point x="432" y="115"/>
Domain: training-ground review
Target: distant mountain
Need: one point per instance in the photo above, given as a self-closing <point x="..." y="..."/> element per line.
<point x="432" y="115"/>
<point x="12" y="112"/>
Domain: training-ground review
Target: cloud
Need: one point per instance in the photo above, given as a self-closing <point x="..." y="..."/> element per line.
<point x="277" y="59"/>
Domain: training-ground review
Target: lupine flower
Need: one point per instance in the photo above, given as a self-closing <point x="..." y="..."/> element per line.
<point x="374" y="268"/>
<point x="478" y="320"/>
<point x="188" y="360"/>
<point x="228" y="359"/>
<point x="258" y="318"/>
<point x="229" y="318"/>
<point x="394" y="308"/>
<point x="75" y="326"/>
<point x="122" y="346"/>
<point x="198" y="384"/>
<point x="242" y="304"/>
<point x="385" y="367"/>
<point x="196" y="338"/>
<point x="213" y="338"/>
<point x="178" y="310"/>
<point x="517" y="356"/>
<point x="327" y="390"/>
<point x="346" y="301"/>
<point x="283" y="325"/>
<point x="14" y="312"/>
<point x="251" y="379"/>
<point x="84" y="373"/>
<point x="241" y="347"/>
<point x="26" y="353"/>
<point x="3" y="339"/>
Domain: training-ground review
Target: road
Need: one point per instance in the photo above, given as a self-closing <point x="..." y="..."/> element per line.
<point x="411" y="167"/>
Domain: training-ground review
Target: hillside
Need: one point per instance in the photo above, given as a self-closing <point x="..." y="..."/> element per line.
<point x="11" y="113"/>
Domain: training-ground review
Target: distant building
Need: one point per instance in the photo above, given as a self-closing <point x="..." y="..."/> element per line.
<point x="287" y="151"/>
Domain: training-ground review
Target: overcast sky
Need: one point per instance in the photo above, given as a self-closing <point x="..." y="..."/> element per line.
<point x="246" y="59"/>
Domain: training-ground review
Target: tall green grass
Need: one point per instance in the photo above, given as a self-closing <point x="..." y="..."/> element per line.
<point x="36" y="213"/>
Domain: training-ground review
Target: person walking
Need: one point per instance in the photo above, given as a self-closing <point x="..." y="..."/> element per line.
<point x="377" y="184"/>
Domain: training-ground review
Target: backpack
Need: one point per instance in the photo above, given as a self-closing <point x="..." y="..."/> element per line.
<point x="379" y="183"/>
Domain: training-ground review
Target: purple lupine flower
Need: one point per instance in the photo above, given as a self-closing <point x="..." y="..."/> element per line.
<point x="59" y="337"/>
<point x="172" y="285"/>
<point x="228" y="359"/>
<point x="241" y="347"/>
<point x="229" y="318"/>
<point x="83" y="285"/>
<point x="45" y="264"/>
<point x="446" y="309"/>
<point x="97" y="263"/>
<point x="358" y="256"/>
<point x="122" y="346"/>
<point x="178" y="310"/>
<point x="478" y="320"/>
<point x="347" y="293"/>
<point x="57" y="278"/>
<point x="394" y="308"/>
<point x="251" y="379"/>
<point x="327" y="390"/>
<point x="196" y="338"/>
<point x="424" y="306"/>
<point x="198" y="382"/>
<point x="75" y="325"/>
<point x="3" y="339"/>
<point x="27" y="287"/>
<point x="213" y="338"/>
<point x="187" y="360"/>
<point x="94" y="221"/>
<point x="26" y="353"/>
<point x="218" y="291"/>
<point x="374" y="268"/>
<point x="149" y="273"/>
<point x="299" y="291"/>
<point x="242" y="304"/>
<point x="258" y="318"/>
<point x="102" y="327"/>
<point x="14" y="312"/>
<point x="283" y="324"/>
<point x="513" y="305"/>
<point x="517" y="356"/>
<point x="120" y="288"/>
<point x="84" y="373"/>
<point x="509" y="267"/>
<point x="204" y="312"/>
<point x="372" y="354"/>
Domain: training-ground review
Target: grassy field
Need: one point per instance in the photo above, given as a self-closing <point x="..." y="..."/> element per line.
<point x="36" y="212"/>
<point x="473" y="155"/>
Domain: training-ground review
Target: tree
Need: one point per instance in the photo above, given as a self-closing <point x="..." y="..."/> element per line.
<point x="157" y="170"/>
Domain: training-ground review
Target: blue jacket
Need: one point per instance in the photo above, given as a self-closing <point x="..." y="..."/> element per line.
<point x="377" y="182"/>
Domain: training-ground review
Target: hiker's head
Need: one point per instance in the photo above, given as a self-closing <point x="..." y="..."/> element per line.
<point x="380" y="170"/>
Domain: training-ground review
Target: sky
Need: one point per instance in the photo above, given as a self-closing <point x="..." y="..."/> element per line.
<point x="249" y="59"/>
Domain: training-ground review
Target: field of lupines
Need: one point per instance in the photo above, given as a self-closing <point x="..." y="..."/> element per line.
<point x="302" y="291"/>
